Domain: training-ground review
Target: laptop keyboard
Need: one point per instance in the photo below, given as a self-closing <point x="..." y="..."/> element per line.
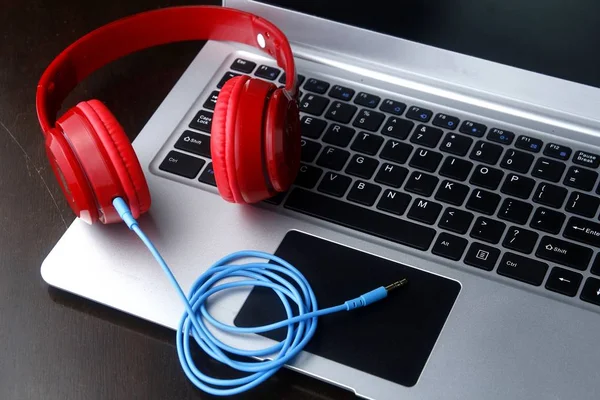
<point x="480" y="195"/>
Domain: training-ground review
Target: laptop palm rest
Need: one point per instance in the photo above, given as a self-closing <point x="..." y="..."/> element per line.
<point x="391" y="339"/>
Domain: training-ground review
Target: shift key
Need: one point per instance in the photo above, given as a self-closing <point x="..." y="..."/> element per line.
<point x="583" y="230"/>
<point x="565" y="253"/>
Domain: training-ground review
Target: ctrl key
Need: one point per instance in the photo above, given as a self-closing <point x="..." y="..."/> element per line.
<point x="591" y="291"/>
<point x="181" y="164"/>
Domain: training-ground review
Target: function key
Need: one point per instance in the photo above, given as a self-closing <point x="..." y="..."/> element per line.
<point x="587" y="159"/>
<point x="367" y="100"/>
<point x="242" y="65"/>
<point x="299" y="79"/>
<point x="528" y="143"/>
<point x="202" y="121"/>
<point x="270" y="73"/>
<point x="181" y="164"/>
<point x="557" y="151"/>
<point x="211" y="101"/>
<point x="501" y="136"/>
<point x="392" y="107"/>
<point x="226" y="77"/>
<point x="208" y="175"/>
<point x="473" y="128"/>
<point x="316" y="85"/>
<point x="445" y="121"/>
<point x="419" y="114"/>
<point x="341" y="92"/>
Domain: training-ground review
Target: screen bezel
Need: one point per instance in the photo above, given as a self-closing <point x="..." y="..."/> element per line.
<point x="551" y="97"/>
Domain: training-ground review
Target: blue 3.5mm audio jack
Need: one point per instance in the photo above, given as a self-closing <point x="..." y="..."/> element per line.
<point x="300" y="328"/>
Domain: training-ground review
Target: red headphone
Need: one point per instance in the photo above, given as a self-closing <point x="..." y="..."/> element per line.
<point x="255" y="138"/>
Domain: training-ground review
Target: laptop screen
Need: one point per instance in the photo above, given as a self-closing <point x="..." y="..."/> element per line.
<point x="558" y="38"/>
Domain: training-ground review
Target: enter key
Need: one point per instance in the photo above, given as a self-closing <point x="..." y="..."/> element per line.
<point x="564" y="253"/>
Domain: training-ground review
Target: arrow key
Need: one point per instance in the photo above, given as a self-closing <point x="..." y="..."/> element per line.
<point x="564" y="281"/>
<point x="591" y="291"/>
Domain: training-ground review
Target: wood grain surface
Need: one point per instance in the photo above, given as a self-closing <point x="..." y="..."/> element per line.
<point x="59" y="346"/>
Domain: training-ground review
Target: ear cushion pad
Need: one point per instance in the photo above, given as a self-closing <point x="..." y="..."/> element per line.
<point x="223" y="139"/>
<point x="121" y="153"/>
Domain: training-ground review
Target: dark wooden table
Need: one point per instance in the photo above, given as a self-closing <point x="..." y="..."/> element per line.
<point x="54" y="345"/>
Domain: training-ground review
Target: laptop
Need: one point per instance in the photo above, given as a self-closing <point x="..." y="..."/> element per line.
<point x="455" y="144"/>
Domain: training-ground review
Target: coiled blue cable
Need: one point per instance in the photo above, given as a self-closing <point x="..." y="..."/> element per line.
<point x="259" y="274"/>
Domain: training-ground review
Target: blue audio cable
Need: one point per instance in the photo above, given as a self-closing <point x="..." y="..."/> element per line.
<point x="259" y="274"/>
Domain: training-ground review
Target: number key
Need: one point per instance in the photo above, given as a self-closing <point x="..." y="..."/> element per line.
<point x="369" y="120"/>
<point x="456" y="144"/>
<point x="517" y="161"/>
<point x="397" y="127"/>
<point x="426" y="136"/>
<point x="313" y="104"/>
<point x="486" y="152"/>
<point x="340" y="112"/>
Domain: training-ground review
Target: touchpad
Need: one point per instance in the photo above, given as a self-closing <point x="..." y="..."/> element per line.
<point x="391" y="339"/>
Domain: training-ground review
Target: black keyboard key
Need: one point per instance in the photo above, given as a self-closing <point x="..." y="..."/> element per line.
<point x="486" y="152"/>
<point x="445" y="121"/>
<point x="362" y="219"/>
<point x="547" y="220"/>
<point x="564" y="253"/>
<point x="316" y="86"/>
<point x="211" y="101"/>
<point x="456" y="220"/>
<point x="334" y="184"/>
<point x="586" y="159"/>
<point x="266" y="72"/>
<point x="242" y="65"/>
<point x="518" y="186"/>
<point x="340" y="112"/>
<point x="487" y="177"/>
<point x="202" y="121"/>
<point x="456" y="168"/>
<point x="367" y="143"/>
<point x="449" y="246"/>
<point x="517" y="161"/>
<point x="369" y="120"/>
<point x="338" y="135"/>
<point x="473" y="128"/>
<point x="420" y="183"/>
<point x="520" y="239"/>
<point x="582" y="204"/>
<point x="394" y="202"/>
<point x="483" y="201"/>
<point x="333" y="158"/>
<point x="313" y="104"/>
<point x="425" y="211"/>
<point x="277" y="199"/>
<point x="456" y="144"/>
<point x="391" y="175"/>
<point x="548" y="169"/>
<point x="299" y="79"/>
<point x="308" y="176"/>
<point x="528" y="143"/>
<point x="312" y="127"/>
<point x="228" y="75"/>
<point x="583" y="231"/>
<point x="208" y="175"/>
<point x="364" y="193"/>
<point x="482" y="256"/>
<point x="426" y="160"/>
<point x="596" y="265"/>
<point x="452" y="192"/>
<point x="557" y="151"/>
<point x="419" y="114"/>
<point x="341" y="92"/>
<point x="488" y="230"/>
<point x="396" y="151"/>
<point x="193" y="142"/>
<point x="367" y="100"/>
<point x="515" y="211"/>
<point x="397" y="127"/>
<point x="182" y="164"/>
<point x="550" y="195"/>
<point x="522" y="269"/>
<point x="362" y="166"/>
<point x="564" y="281"/>
<point x="426" y="136"/>
<point x="309" y="150"/>
<point x="580" y="178"/>
<point x="501" y="136"/>
<point x="392" y="107"/>
<point x="591" y="291"/>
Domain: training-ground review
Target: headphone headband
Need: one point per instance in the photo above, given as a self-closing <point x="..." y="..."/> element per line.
<point x="153" y="28"/>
